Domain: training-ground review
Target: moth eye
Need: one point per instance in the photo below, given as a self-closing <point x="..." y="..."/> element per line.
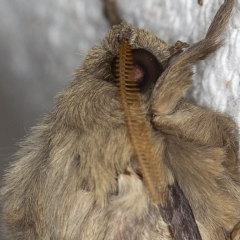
<point x="146" y="67"/>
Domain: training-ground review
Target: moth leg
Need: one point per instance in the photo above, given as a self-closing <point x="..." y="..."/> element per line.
<point x="110" y="10"/>
<point x="204" y="127"/>
<point x="200" y="2"/>
<point x="176" y="79"/>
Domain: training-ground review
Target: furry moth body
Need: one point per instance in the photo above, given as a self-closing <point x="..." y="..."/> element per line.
<point x="76" y="176"/>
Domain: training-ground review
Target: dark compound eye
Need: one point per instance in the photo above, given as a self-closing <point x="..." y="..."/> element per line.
<point x="147" y="68"/>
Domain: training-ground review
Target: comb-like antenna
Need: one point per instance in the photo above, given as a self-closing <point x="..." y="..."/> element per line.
<point x="136" y="124"/>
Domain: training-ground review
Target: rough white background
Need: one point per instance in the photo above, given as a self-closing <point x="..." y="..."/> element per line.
<point x="42" y="42"/>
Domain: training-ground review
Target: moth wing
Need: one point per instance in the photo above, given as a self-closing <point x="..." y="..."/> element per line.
<point x="177" y="213"/>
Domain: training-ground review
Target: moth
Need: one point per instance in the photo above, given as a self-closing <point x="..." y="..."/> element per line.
<point x="79" y="174"/>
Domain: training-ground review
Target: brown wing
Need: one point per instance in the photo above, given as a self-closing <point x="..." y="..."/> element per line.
<point x="178" y="215"/>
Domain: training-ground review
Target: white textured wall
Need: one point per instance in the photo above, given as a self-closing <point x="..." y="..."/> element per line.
<point x="41" y="42"/>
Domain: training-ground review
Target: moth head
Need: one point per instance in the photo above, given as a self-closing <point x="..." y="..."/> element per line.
<point x="150" y="55"/>
<point x="94" y="89"/>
